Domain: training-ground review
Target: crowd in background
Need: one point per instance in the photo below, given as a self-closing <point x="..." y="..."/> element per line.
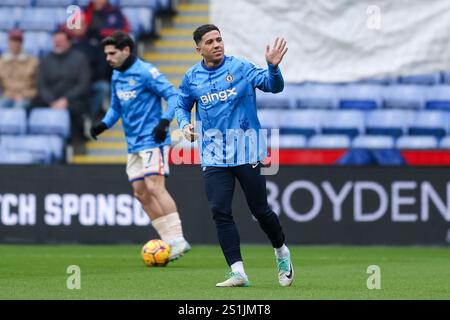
<point x="73" y="76"/>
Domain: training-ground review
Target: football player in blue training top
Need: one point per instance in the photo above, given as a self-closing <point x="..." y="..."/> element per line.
<point x="136" y="91"/>
<point x="223" y="88"/>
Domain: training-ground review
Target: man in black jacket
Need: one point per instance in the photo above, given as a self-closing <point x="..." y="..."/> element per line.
<point x="64" y="80"/>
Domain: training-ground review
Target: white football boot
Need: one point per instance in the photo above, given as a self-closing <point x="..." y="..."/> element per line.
<point x="234" y="279"/>
<point x="285" y="271"/>
<point x="178" y="248"/>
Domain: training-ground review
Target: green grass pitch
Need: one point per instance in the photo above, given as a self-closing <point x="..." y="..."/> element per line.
<point x="117" y="272"/>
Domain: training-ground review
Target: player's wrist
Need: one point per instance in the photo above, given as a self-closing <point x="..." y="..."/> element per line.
<point x="100" y="127"/>
<point x="164" y="122"/>
<point x="273" y="68"/>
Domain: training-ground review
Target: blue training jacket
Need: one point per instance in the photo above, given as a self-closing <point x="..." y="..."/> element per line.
<point x="136" y="98"/>
<point x="226" y="117"/>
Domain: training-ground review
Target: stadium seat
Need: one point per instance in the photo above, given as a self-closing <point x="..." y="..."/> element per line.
<point x="37" y="43"/>
<point x="349" y="122"/>
<point x="417" y="142"/>
<point x="84" y="3"/>
<point x="13" y="121"/>
<point x="282" y="100"/>
<point x="16" y="157"/>
<point x="3" y="42"/>
<point x="269" y="119"/>
<point x="42" y="19"/>
<point x="389" y="122"/>
<point x="305" y="122"/>
<point x="39" y="146"/>
<point x="445" y="143"/>
<point x="430" y="123"/>
<point x="422" y="79"/>
<point x="16" y="3"/>
<point x="9" y="17"/>
<point x="373" y="142"/>
<point x="154" y="4"/>
<point x="54" y="3"/>
<point x="316" y="95"/>
<point x="164" y="5"/>
<point x="49" y="121"/>
<point x="329" y="142"/>
<point x="445" y="77"/>
<point x="57" y="146"/>
<point x="378" y="81"/>
<point x="292" y="141"/>
<point x="438" y="98"/>
<point x="403" y="97"/>
<point x="360" y="96"/>
<point x="142" y="20"/>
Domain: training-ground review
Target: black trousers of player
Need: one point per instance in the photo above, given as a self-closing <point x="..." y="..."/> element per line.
<point x="219" y="184"/>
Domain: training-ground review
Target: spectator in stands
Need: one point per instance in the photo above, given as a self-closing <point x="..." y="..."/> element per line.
<point x="64" y="80"/>
<point x="17" y="74"/>
<point x="100" y="20"/>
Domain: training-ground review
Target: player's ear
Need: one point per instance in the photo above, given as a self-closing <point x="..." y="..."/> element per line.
<point x="199" y="51"/>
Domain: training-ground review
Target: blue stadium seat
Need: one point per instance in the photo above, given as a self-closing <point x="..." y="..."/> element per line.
<point x="84" y="3"/>
<point x="154" y="4"/>
<point x="434" y="123"/>
<point x="38" y="146"/>
<point x="324" y="96"/>
<point x="142" y="20"/>
<point x="54" y="3"/>
<point x="9" y="17"/>
<point x="403" y="97"/>
<point x="46" y="148"/>
<point x="16" y="3"/>
<point x="57" y="146"/>
<point x="49" y="121"/>
<point x="445" y="77"/>
<point x="16" y="157"/>
<point x="305" y="122"/>
<point x="329" y="142"/>
<point x="13" y="121"/>
<point x="373" y="142"/>
<point x="42" y="19"/>
<point x="378" y="81"/>
<point x="37" y="43"/>
<point x="422" y="79"/>
<point x="269" y="119"/>
<point x="282" y="100"/>
<point x="349" y="122"/>
<point x="389" y="122"/>
<point x="417" y="142"/>
<point x="164" y="5"/>
<point x="445" y="143"/>
<point x="438" y="98"/>
<point x="3" y="42"/>
<point x="293" y="141"/>
<point x="360" y="96"/>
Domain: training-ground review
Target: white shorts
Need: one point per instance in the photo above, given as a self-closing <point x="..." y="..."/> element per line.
<point x="148" y="162"/>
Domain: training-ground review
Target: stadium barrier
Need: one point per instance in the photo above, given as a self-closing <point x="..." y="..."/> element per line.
<point x="317" y="205"/>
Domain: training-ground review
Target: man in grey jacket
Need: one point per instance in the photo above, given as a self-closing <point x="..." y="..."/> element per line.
<point x="64" y="81"/>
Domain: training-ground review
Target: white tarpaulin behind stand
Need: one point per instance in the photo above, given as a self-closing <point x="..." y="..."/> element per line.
<point x="340" y="40"/>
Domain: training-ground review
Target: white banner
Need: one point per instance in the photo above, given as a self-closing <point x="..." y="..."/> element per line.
<point x="340" y="40"/>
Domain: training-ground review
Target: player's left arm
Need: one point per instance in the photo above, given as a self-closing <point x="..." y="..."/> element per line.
<point x="270" y="79"/>
<point x="160" y="86"/>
